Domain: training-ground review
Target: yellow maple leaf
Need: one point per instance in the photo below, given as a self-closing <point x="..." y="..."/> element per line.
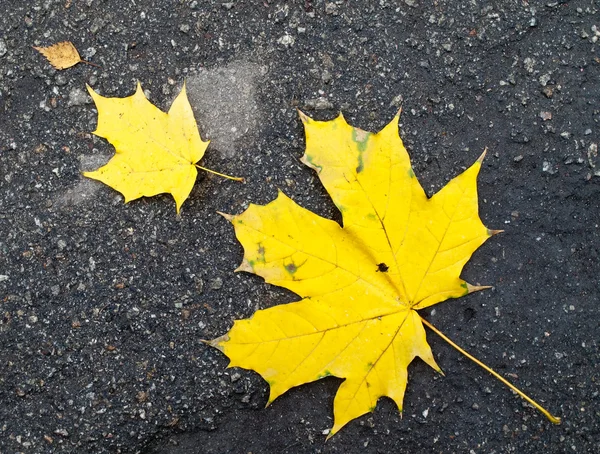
<point x="156" y="152"/>
<point x="397" y="252"/>
<point x="61" y="55"/>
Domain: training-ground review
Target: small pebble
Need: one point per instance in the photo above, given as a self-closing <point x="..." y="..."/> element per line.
<point x="331" y="8"/>
<point x="529" y="64"/>
<point x="544" y="79"/>
<point x="60" y="80"/>
<point x="216" y="284"/>
<point x="78" y="97"/>
<point x="286" y="40"/>
<point x="548" y="168"/>
<point x="318" y="104"/>
<point x="89" y="53"/>
<point x="397" y="101"/>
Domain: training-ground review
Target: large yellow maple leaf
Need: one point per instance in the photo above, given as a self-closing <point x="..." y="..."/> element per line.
<point x="398" y="251"/>
<point x="156" y="152"/>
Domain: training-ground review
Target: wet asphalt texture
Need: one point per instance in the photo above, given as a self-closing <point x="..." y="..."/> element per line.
<point x="103" y="305"/>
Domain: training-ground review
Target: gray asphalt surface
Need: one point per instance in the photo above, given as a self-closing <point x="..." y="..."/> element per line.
<point x="103" y="305"/>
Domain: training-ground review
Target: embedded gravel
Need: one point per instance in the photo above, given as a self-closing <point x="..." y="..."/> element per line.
<point x="103" y="305"/>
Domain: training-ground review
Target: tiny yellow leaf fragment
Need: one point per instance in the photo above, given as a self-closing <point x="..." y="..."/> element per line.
<point x="61" y="55"/>
<point x="156" y="152"/>
<point x="361" y="284"/>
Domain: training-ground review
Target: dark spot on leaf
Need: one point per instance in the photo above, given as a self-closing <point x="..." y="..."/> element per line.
<point x="360" y="166"/>
<point x="291" y="268"/>
<point x="261" y="253"/>
<point x="382" y="267"/>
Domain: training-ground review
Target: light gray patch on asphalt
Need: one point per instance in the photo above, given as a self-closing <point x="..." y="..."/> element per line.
<point x="86" y="188"/>
<point x="225" y="104"/>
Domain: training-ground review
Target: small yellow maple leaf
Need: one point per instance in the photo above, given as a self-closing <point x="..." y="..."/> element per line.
<point x="156" y="152"/>
<point x="61" y="55"/>
<point x="397" y="252"/>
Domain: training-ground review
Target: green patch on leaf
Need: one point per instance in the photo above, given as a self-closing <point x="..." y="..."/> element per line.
<point x="466" y="287"/>
<point x="324" y="374"/>
<point x="309" y="158"/>
<point x="361" y="138"/>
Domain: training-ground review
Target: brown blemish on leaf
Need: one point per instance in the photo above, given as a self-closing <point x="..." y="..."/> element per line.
<point x="291" y="268"/>
<point x="261" y="253"/>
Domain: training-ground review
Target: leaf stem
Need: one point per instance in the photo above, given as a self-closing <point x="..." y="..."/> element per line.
<point x="89" y="63"/>
<point x="220" y="174"/>
<point x="547" y="414"/>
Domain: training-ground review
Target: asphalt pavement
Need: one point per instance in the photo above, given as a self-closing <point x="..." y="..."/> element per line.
<point x="104" y="305"/>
